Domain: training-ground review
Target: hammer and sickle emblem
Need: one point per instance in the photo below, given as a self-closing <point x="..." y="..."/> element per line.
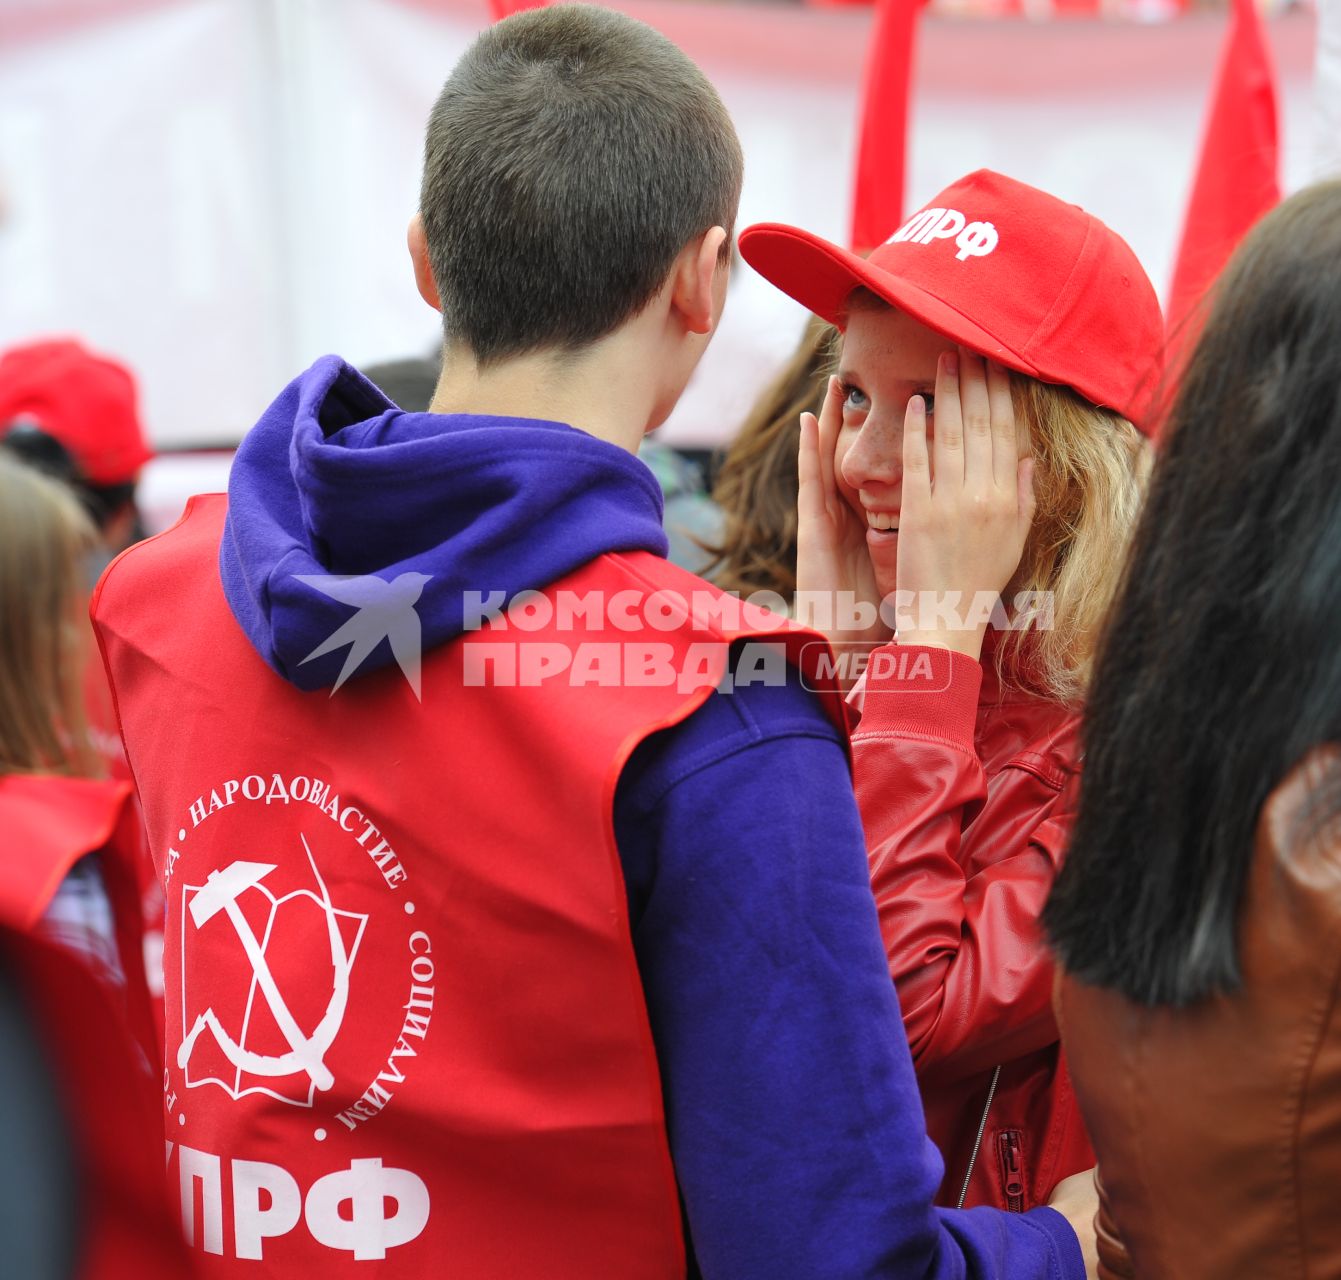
<point x="306" y="1052"/>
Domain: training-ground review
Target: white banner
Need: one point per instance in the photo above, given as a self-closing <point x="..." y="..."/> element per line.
<point x="1327" y="92"/>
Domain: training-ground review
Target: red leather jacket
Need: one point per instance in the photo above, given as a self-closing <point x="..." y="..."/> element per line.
<point x="964" y="794"/>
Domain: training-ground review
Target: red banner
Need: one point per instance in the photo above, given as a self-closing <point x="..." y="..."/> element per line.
<point x="503" y="8"/>
<point x="877" y="198"/>
<point x="1237" y="175"/>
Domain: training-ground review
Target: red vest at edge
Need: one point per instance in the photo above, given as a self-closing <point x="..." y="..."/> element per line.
<point x="124" y="1225"/>
<point x="47" y="823"/>
<point x="405" y="1027"/>
<point x="86" y="1031"/>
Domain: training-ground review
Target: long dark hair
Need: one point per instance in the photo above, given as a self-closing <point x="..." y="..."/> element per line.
<point x="1221" y="663"/>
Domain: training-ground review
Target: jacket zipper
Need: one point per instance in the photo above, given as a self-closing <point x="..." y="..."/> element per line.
<point x="1010" y="1153"/>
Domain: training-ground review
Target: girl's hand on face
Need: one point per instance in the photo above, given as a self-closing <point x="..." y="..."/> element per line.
<point x="833" y="566"/>
<point x="967" y="505"/>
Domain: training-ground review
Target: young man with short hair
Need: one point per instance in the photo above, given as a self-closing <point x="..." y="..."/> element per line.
<point x="551" y="953"/>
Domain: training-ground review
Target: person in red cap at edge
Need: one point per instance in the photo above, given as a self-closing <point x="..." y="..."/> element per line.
<point x="972" y="482"/>
<point x="73" y="414"/>
<point x="518" y="915"/>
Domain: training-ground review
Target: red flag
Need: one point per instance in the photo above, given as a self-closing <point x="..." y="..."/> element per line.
<point x="505" y="8"/>
<point x="1237" y="176"/>
<point x="877" y="196"/>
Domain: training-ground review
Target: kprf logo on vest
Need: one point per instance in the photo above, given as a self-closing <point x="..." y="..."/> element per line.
<point x="972" y="239"/>
<point x="300" y="991"/>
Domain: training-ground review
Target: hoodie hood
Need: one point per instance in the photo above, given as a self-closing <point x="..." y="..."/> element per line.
<point x="446" y="510"/>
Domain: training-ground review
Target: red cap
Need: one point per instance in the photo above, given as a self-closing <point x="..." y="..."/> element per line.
<point x="1035" y="283"/>
<point x="85" y="401"/>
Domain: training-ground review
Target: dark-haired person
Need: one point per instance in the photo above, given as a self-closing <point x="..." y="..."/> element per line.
<point x="479" y="963"/>
<point x="1198" y="917"/>
<point x="981" y="446"/>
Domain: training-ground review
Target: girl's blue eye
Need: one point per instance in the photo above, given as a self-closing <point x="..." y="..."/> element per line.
<point x="854" y="397"/>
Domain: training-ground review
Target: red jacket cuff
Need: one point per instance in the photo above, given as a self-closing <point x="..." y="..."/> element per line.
<point x="923" y="690"/>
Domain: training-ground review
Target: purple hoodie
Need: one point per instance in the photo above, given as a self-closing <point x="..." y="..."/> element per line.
<point x="793" y="1112"/>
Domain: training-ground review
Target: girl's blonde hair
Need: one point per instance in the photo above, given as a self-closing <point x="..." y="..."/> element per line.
<point x="45" y="538"/>
<point x="1090" y="471"/>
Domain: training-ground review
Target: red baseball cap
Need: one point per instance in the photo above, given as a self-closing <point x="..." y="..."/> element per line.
<point x="1007" y="270"/>
<point x="85" y="401"/>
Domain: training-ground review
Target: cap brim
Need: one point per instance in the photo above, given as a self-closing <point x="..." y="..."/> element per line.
<point x="124" y="469"/>
<point x="821" y="277"/>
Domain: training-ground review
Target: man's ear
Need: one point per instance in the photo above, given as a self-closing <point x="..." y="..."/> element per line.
<point x="694" y="294"/>
<point x="423" y="272"/>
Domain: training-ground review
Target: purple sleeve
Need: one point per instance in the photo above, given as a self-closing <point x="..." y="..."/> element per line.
<point x="794" y="1116"/>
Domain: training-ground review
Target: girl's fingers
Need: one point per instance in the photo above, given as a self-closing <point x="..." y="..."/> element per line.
<point x="830" y="423"/>
<point x="1025" y="491"/>
<point x="916" y="462"/>
<point x="976" y="410"/>
<point x="1005" y="430"/>
<point x="948" y="443"/>
<point x="810" y="497"/>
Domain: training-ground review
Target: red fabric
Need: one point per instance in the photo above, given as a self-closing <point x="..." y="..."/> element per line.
<point x="1011" y="272"/>
<point x="89" y="1032"/>
<point x="504" y="8"/>
<point x="108" y="1093"/>
<point x="47" y="824"/>
<point x="42" y="20"/>
<point x="877" y="195"/>
<point x="86" y="401"/>
<point x="965" y="800"/>
<point x="106" y="739"/>
<point x="447" y="927"/>
<point x="101" y="716"/>
<point x="1238" y="171"/>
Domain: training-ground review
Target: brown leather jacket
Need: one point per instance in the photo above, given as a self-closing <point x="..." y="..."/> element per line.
<point x="1218" y="1127"/>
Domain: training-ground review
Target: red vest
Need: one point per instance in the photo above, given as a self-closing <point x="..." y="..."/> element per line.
<point x="47" y="824"/>
<point x="120" y="1213"/>
<point x="102" y="729"/>
<point x="404" y="1018"/>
